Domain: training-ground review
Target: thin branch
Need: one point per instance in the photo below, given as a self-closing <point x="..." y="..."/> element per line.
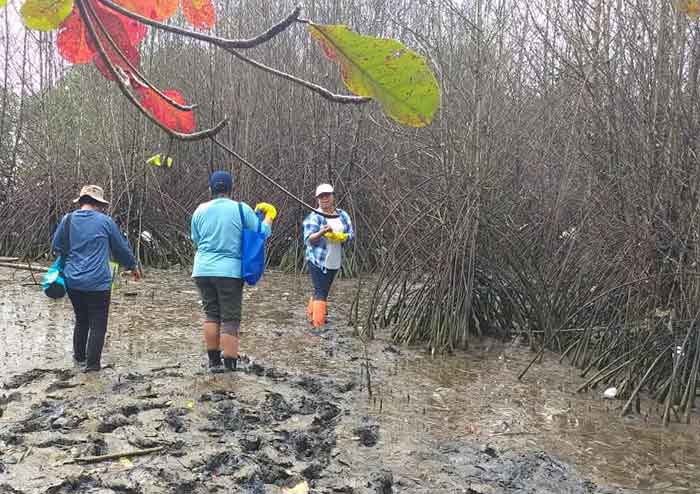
<point x="215" y="40"/>
<point x="231" y="45"/>
<point x="336" y="98"/>
<point x="270" y="179"/>
<point x="142" y="78"/>
<point x="125" y="91"/>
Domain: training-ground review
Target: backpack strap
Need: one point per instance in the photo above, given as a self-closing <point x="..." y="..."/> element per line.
<point x="240" y="212"/>
<point x="66" y="238"/>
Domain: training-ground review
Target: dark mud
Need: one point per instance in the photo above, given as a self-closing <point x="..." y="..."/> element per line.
<point x="258" y="431"/>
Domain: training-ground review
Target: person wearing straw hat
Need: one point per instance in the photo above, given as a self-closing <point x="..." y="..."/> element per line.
<point x="94" y="238"/>
<point x="324" y="239"/>
<point x="216" y="230"/>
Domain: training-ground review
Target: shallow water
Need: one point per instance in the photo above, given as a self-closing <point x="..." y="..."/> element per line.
<point x="417" y="398"/>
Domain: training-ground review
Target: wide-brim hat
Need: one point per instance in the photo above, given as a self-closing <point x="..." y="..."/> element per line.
<point x="93" y="191"/>
<point x="324" y="189"/>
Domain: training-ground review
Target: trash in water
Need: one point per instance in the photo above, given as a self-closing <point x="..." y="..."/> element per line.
<point x="610" y="393"/>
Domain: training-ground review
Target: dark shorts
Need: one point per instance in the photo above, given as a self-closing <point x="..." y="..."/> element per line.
<point x="221" y="300"/>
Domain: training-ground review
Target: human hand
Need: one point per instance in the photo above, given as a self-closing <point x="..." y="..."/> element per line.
<point x="268" y="210"/>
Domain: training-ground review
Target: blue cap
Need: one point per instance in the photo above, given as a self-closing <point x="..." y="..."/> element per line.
<point x="220" y="182"/>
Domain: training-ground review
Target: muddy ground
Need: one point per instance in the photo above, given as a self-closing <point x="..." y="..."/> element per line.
<point x="298" y="418"/>
<point x="263" y="430"/>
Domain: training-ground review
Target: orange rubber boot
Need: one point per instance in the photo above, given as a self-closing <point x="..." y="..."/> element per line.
<point x="320" y="307"/>
<point x="310" y="310"/>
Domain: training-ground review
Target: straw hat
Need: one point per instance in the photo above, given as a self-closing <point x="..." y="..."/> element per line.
<point x="93" y="191"/>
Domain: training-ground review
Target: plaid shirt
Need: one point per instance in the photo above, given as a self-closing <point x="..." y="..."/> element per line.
<point x="316" y="253"/>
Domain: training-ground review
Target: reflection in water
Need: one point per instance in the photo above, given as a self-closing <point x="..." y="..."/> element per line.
<point x="417" y="398"/>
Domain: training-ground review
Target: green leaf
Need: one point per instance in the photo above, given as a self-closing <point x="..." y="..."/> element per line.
<point x="45" y="15"/>
<point x="3" y="3"/>
<point x="383" y="69"/>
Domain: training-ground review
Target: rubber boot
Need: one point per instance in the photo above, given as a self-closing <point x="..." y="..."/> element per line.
<point x="230" y="364"/>
<point x="215" y="364"/>
<point x="310" y="310"/>
<point x="319" y="313"/>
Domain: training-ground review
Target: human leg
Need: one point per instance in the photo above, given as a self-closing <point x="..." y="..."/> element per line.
<point x="322" y="280"/>
<point x="82" y="324"/>
<point x="98" y="313"/>
<point x="230" y="292"/>
<point x="211" y="325"/>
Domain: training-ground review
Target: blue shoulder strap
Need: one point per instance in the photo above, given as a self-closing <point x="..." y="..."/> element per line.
<point x="240" y="211"/>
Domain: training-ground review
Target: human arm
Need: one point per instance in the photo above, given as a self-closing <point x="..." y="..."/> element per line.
<point x="121" y="250"/>
<point x="313" y="231"/>
<point x="194" y="232"/>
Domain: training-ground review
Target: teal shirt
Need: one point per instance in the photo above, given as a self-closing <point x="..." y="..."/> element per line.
<point x="216" y="231"/>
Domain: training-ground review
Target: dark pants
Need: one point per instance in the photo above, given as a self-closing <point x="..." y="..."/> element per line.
<point x="91" y="313"/>
<point x="322" y="281"/>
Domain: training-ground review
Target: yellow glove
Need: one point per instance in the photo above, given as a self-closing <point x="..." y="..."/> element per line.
<point x="268" y="209"/>
<point x="335" y="237"/>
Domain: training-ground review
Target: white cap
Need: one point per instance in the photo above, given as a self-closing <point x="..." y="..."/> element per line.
<point x="324" y="189"/>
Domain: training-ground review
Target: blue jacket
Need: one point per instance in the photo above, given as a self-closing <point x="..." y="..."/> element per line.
<point x="217" y="232"/>
<point x="93" y="237"/>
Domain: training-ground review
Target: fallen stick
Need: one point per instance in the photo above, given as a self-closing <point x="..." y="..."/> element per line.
<point x="115" y="456"/>
<point x="8" y="259"/>
<point x="26" y="267"/>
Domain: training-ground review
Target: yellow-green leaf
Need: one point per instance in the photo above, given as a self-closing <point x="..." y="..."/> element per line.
<point x="45" y="15"/>
<point x="157" y="160"/>
<point x="3" y="3"/>
<point x="383" y="69"/>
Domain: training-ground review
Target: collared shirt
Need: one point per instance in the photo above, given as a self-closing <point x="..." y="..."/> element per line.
<point x="217" y="233"/>
<point x="93" y="237"/>
<point x="318" y="252"/>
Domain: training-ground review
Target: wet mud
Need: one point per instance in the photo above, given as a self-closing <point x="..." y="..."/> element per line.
<point x="297" y="418"/>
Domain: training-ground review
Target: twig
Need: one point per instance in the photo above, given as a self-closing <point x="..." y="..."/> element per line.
<point x="269" y="179"/>
<point x="114" y="456"/>
<point x="25" y="267"/>
<point x="214" y="40"/>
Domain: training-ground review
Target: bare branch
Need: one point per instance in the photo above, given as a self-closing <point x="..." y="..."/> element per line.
<point x="214" y="40"/>
<point x="270" y="179"/>
<point x="336" y="98"/>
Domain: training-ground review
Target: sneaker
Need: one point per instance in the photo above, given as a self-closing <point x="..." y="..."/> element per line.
<point x="91" y="368"/>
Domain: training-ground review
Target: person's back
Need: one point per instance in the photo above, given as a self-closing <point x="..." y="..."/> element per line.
<point x="93" y="236"/>
<point x="217" y="231"/>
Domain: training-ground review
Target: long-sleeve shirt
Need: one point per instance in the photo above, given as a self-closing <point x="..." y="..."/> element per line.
<point x="94" y="238"/>
<point x="318" y="252"/>
<point x="217" y="233"/>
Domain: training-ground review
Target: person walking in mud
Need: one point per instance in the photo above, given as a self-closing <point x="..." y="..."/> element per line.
<point x="324" y="239"/>
<point x="217" y="233"/>
<point x="93" y="238"/>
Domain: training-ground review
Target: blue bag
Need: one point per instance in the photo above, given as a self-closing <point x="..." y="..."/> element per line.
<point x="252" y="251"/>
<point x="53" y="283"/>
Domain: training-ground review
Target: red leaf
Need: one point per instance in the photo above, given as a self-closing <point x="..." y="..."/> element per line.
<point x="158" y="10"/>
<point x="199" y="13"/>
<point x="164" y="112"/>
<point x="134" y="28"/>
<point x="72" y="39"/>
<point x="114" y="26"/>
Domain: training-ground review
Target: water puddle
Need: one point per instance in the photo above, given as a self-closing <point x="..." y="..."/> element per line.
<point x="419" y="403"/>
